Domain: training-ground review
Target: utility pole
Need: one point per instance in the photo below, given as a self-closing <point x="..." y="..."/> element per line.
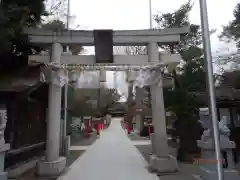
<point x="211" y="88"/>
<point x="68" y="14"/>
<point x="151" y="27"/>
<point x="150" y="14"/>
<point x="65" y="137"/>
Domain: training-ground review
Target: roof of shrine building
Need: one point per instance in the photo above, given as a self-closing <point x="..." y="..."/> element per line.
<point x="222" y="94"/>
<point x="21" y="80"/>
<point x="27" y="80"/>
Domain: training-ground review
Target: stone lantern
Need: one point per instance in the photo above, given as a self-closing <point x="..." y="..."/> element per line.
<point x="208" y="163"/>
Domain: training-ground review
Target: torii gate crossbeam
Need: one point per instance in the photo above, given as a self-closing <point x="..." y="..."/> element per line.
<point x="120" y="38"/>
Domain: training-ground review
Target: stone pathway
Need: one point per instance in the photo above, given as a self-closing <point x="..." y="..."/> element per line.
<point x="111" y="157"/>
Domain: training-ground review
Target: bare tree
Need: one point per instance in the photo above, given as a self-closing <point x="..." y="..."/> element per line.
<point x="129" y="50"/>
<point x="85" y="101"/>
<point x="136" y="50"/>
<point x="57" y="9"/>
<point x="228" y="61"/>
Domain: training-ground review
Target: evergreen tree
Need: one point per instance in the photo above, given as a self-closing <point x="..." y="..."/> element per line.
<point x="14" y="16"/>
<point x="231" y="32"/>
<point x="189" y="78"/>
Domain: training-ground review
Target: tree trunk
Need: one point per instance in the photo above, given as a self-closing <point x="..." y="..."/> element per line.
<point x="188" y="148"/>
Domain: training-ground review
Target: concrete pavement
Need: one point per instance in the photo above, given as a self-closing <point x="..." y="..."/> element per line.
<point x="111" y="157"/>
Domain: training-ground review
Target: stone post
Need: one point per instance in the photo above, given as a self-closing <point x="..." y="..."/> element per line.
<point x="139" y="118"/>
<point x="3" y="146"/>
<point x="161" y="161"/>
<point x="53" y="164"/>
<point x="130" y="94"/>
<point x="131" y="76"/>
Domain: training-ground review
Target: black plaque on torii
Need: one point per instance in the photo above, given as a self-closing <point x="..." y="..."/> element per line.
<point x="103" y="42"/>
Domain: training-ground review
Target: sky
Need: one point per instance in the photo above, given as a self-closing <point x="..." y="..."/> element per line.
<point x="134" y="14"/>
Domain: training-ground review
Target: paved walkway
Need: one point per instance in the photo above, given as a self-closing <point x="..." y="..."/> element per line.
<point x="111" y="157"/>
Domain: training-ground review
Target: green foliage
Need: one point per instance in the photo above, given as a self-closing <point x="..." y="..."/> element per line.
<point x="81" y="106"/>
<point x="16" y="14"/>
<point x="232" y="30"/>
<point x="83" y="109"/>
<point x="191" y="77"/>
<point x="58" y="25"/>
<point x="55" y="25"/>
<point x="177" y="19"/>
<point x="182" y="103"/>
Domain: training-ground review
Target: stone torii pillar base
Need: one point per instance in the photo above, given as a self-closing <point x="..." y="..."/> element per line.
<point x="139" y="113"/>
<point x="163" y="165"/>
<point x="160" y="161"/>
<point x="51" y="169"/>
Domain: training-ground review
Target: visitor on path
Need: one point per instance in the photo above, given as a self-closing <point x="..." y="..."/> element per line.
<point x="127" y="127"/>
<point x="97" y="127"/>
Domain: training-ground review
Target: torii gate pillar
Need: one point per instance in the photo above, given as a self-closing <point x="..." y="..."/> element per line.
<point x="53" y="165"/>
<point x="161" y="161"/>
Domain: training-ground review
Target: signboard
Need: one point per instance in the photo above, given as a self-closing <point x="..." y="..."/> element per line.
<point x="103" y="41"/>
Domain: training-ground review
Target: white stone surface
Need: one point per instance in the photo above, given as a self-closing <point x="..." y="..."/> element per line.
<point x="111" y="157"/>
<point x="79" y="148"/>
<point x="141" y="142"/>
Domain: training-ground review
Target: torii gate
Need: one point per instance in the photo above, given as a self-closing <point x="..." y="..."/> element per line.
<point x="161" y="161"/>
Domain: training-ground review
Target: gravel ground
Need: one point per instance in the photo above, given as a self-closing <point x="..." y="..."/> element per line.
<point x="186" y="170"/>
<point x="79" y="140"/>
<point x="134" y="137"/>
<point x="73" y="155"/>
